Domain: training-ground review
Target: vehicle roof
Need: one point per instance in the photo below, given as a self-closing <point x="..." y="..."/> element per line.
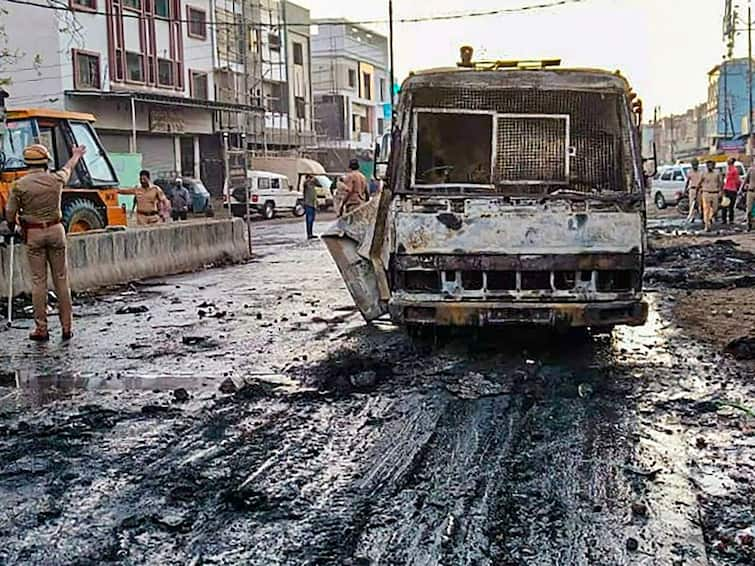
<point x="258" y="173"/>
<point x="21" y="113"/>
<point x="546" y="79"/>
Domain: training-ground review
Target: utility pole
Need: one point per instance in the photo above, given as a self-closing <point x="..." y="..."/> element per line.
<point x="393" y="76"/>
<point x="749" y="75"/>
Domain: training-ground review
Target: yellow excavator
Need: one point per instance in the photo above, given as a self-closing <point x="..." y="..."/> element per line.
<point x="90" y="200"/>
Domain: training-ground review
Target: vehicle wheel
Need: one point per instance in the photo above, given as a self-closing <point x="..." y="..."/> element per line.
<point x="81" y="215"/>
<point x="268" y="213"/>
<point x="299" y="209"/>
<point x="660" y="202"/>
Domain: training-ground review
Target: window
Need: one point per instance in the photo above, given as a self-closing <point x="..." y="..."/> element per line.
<point x="95" y="160"/>
<point x="275" y="184"/>
<point x="367" y="78"/>
<point x="301" y="107"/>
<point x="275" y="41"/>
<point x="678" y="175"/>
<point x="199" y="85"/>
<point x="453" y="148"/>
<point x="666" y="176"/>
<point x="133" y="4"/>
<point x="298" y="54"/>
<point x="90" y="5"/>
<point x="263" y="184"/>
<point x="135" y="67"/>
<point x="381" y="126"/>
<point x="162" y="8"/>
<point x="197" y="27"/>
<point x="355" y="123"/>
<point x="20" y="134"/>
<point x="165" y="72"/>
<point x="382" y="89"/>
<point x="86" y="67"/>
<point x="364" y="124"/>
<point x="352" y="78"/>
<point x="276" y="98"/>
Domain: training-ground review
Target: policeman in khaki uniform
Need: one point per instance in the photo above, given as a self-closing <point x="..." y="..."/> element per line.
<point x="711" y="186"/>
<point x="35" y="199"/>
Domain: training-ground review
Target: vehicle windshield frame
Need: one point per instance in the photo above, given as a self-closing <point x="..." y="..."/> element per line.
<point x="94" y="140"/>
<point x="18" y="152"/>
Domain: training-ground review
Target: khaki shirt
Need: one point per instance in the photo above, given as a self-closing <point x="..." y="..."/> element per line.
<point x="36" y="196"/>
<point x="356" y="188"/>
<point x="750" y="179"/>
<point x="148" y="200"/>
<point x="695" y="179"/>
<point x="711" y="182"/>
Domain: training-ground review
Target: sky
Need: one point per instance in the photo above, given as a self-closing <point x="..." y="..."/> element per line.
<point x="664" y="47"/>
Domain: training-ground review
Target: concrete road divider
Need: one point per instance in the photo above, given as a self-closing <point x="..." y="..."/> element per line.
<point x="98" y="259"/>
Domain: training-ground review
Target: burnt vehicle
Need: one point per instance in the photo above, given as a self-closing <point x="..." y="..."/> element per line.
<point x="514" y="193"/>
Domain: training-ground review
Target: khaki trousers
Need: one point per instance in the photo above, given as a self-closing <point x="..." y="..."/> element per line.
<point x="47" y="246"/>
<point x="147" y="219"/>
<point x="710" y="207"/>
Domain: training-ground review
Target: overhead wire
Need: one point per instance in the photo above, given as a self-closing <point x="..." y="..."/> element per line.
<point x="325" y="21"/>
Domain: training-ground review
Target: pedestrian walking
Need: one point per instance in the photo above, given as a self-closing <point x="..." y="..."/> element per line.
<point x="731" y="188"/>
<point x="310" y="204"/>
<point x="357" y="190"/>
<point x="749" y="189"/>
<point x="711" y="189"/>
<point x="35" y="201"/>
<point x="179" y="201"/>
<point x="694" y="180"/>
<point x="149" y="200"/>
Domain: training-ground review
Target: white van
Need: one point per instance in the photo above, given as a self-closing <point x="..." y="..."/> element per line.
<point x="269" y="194"/>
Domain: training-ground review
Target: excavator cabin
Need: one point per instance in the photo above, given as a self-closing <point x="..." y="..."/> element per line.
<point x="90" y="201"/>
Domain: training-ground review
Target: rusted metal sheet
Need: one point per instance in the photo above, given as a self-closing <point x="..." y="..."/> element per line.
<point x="349" y="241"/>
<point x="497" y="262"/>
<point x="489" y="227"/>
<point x="547" y="314"/>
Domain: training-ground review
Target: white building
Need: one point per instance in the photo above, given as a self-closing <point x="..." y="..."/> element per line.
<point x="150" y="71"/>
<point x="350" y="80"/>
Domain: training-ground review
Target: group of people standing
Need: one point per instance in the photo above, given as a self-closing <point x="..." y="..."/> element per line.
<point x="151" y="204"/>
<point x="711" y="192"/>
<point x="349" y="193"/>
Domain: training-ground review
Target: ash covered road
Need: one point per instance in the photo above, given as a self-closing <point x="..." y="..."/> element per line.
<point x="341" y="443"/>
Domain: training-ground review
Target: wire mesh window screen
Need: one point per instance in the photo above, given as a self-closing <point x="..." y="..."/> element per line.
<point x="598" y="132"/>
<point x="532" y="149"/>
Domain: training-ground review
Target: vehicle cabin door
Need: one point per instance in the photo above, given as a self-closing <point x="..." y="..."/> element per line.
<point x="287" y="198"/>
<point x="663" y="184"/>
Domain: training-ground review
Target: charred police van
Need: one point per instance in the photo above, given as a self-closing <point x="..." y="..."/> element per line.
<point x="514" y="193"/>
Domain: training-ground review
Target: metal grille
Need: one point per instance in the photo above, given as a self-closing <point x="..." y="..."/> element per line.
<point x="532" y="149"/>
<point x="597" y="133"/>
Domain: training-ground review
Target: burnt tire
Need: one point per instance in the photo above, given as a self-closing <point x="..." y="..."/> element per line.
<point x="81" y="215"/>
<point x="268" y="211"/>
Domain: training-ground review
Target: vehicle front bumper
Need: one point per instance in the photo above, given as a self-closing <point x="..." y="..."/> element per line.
<point x="554" y="314"/>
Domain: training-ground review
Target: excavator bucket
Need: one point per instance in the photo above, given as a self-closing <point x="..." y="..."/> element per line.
<point x="352" y="243"/>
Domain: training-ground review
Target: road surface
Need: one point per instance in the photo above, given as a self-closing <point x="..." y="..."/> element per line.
<point x="247" y="415"/>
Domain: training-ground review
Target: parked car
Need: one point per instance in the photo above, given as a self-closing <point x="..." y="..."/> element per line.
<point x="296" y="169"/>
<point x="200" y="196"/>
<point x="269" y="194"/>
<point x="668" y="186"/>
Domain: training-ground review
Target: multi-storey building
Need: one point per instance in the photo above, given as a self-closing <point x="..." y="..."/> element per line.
<point x="279" y="64"/>
<point x="172" y="80"/>
<point x="350" y="80"/>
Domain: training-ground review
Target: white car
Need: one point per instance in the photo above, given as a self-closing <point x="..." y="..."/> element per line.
<point x="268" y="194"/>
<point x="668" y="186"/>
